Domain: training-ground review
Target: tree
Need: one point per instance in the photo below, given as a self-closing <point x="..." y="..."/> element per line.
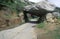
<point x="13" y="4"/>
<point x="57" y="9"/>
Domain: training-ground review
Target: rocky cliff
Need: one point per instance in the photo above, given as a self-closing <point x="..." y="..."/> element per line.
<point x="43" y="5"/>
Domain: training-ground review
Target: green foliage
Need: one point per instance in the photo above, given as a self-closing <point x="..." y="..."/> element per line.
<point x="57" y="9"/>
<point x="14" y="5"/>
<point x="58" y="18"/>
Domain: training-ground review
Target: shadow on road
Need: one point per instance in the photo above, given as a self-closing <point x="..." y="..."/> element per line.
<point x="34" y="22"/>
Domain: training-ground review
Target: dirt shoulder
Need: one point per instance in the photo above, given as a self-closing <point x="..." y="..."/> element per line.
<point x="49" y="31"/>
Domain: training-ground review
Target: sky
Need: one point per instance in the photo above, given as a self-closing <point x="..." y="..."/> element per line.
<point x="56" y="2"/>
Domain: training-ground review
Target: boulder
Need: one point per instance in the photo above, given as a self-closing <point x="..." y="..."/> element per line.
<point x="49" y="17"/>
<point x="41" y="7"/>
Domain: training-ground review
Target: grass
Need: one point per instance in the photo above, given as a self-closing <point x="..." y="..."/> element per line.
<point x="58" y="18"/>
<point x="41" y="25"/>
<point x="51" y="34"/>
<point x="54" y="34"/>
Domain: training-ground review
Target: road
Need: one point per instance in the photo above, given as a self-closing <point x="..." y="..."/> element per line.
<point x="25" y="31"/>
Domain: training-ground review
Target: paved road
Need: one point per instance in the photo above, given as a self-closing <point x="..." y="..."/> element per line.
<point x="25" y="31"/>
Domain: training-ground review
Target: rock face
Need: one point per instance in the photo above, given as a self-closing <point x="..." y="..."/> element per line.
<point x="2" y="22"/>
<point x="42" y="6"/>
<point x="9" y="19"/>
